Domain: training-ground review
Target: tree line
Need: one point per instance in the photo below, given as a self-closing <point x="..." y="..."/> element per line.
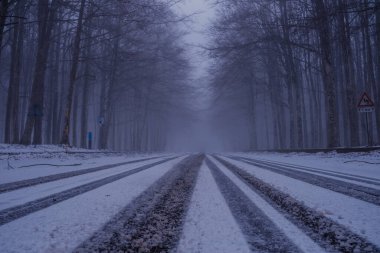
<point x="112" y="68"/>
<point x="293" y="71"/>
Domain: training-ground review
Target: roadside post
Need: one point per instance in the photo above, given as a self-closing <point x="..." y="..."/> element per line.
<point x="366" y="105"/>
<point x="100" y="123"/>
<point x="100" y="120"/>
<point x="89" y="137"/>
<point x="37" y="112"/>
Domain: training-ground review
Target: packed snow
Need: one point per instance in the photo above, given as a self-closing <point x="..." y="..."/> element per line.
<point x="62" y="227"/>
<point x="209" y="225"/>
<point x="359" y="216"/>
<point x="209" y="221"/>
<point x="53" y="160"/>
<point x="361" y="163"/>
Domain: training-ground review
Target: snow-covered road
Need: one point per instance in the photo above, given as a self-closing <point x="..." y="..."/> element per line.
<point x="62" y="226"/>
<point x="192" y="203"/>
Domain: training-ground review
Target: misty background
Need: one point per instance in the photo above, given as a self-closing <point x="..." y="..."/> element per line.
<point x="168" y="75"/>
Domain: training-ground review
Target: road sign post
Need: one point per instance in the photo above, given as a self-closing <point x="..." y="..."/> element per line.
<point x="89" y="137"/>
<point x="369" y="142"/>
<point x="100" y="120"/>
<point x="366" y="105"/>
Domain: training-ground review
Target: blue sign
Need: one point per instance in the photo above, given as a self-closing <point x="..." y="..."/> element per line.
<point x="89" y="136"/>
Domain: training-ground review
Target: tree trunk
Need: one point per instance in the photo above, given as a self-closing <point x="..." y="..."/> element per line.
<point x="377" y="68"/>
<point x="296" y="129"/>
<point x="349" y="73"/>
<point x="253" y="135"/>
<point x="371" y="73"/>
<point x="75" y="117"/>
<point x="12" y="120"/>
<point x="46" y="15"/>
<point x="85" y="94"/>
<point x="55" y="98"/>
<point x="106" y="111"/>
<point x="4" y="5"/>
<point x="11" y="88"/>
<point x="275" y="98"/>
<point x="85" y="91"/>
<point x="324" y="34"/>
<point x="73" y="75"/>
<point x="17" y="76"/>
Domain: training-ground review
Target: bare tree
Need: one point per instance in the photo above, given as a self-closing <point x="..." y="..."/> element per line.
<point x="46" y="15"/>
<point x="73" y="75"/>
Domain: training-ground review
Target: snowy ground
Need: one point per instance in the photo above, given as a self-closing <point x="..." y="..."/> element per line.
<point x="12" y="149"/>
<point x="62" y="227"/>
<point x="229" y="205"/>
<point x="48" y="160"/>
<point x="359" y="216"/>
<point x="364" y="164"/>
<point x="209" y="221"/>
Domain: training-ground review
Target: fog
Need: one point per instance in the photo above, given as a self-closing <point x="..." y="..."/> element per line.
<point x="189" y="76"/>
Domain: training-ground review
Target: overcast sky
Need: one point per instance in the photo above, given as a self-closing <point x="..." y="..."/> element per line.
<point x="197" y="136"/>
<point x="203" y="13"/>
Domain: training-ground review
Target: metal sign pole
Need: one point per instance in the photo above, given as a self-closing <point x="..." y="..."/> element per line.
<point x="366" y="105"/>
<point x="89" y="136"/>
<point x="368" y="132"/>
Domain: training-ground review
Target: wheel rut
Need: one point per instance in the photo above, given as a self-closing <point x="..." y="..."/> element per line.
<point x="352" y="177"/>
<point x="261" y="233"/>
<point x="13" y="213"/>
<point x="153" y="221"/>
<point x="363" y="193"/>
<point x="40" y="180"/>
<point x="327" y="233"/>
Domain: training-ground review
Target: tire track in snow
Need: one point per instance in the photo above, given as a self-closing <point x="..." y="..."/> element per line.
<point x="153" y="221"/>
<point x="329" y="234"/>
<point x="13" y="213"/>
<point x="45" y="179"/>
<point x="353" y="177"/>
<point x="261" y="233"/>
<point x="367" y="194"/>
<point x="209" y="224"/>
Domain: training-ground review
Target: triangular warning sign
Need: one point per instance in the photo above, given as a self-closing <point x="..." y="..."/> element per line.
<point x="365" y="101"/>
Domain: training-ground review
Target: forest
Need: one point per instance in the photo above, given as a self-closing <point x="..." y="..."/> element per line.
<point x="284" y="74"/>
<point x="294" y="71"/>
<point x="115" y="68"/>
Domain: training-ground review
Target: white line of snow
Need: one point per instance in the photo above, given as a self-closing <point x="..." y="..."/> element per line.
<point x="86" y="161"/>
<point x="359" y="216"/>
<point x="339" y="178"/>
<point x="209" y="224"/>
<point x="290" y="230"/>
<point x="62" y="227"/>
<point x="319" y="170"/>
<point x="24" y="195"/>
<point x="328" y="161"/>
